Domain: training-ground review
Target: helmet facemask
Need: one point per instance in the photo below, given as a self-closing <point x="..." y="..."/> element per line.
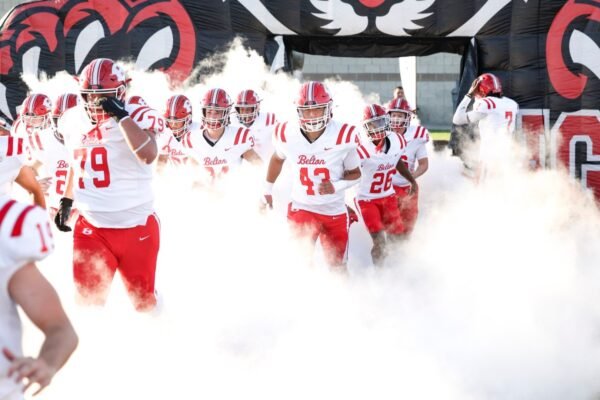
<point x="377" y="127"/>
<point x="400" y="122"/>
<point x="247" y="118"/>
<point x="179" y="126"/>
<point x="215" y="122"/>
<point x="94" y="108"/>
<point x="314" y="124"/>
<point x="34" y="121"/>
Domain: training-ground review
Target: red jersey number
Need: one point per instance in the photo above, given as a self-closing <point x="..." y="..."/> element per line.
<point x="98" y="158"/>
<point x="305" y="179"/>
<point x="382" y="182"/>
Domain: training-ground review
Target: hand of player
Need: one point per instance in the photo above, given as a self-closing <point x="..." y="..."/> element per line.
<point x="267" y="202"/>
<point x="326" y="187"/>
<point x="114" y="107"/>
<point x="414" y="188"/>
<point x="62" y="216"/>
<point x="473" y="88"/>
<point x="45" y="184"/>
<point x="32" y="369"/>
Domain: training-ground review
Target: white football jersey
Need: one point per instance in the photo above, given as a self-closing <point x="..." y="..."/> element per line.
<point x="324" y="159"/>
<point x="169" y="146"/>
<point x="222" y="156"/>
<point x="262" y="130"/>
<point x="378" y="166"/>
<point x="25" y="236"/>
<point x="12" y="158"/>
<point x="496" y="116"/>
<point x="112" y="187"/>
<point x="53" y="156"/>
<point x="416" y="138"/>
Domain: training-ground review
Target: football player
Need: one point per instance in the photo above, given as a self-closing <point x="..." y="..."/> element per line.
<point x="495" y="115"/>
<point x="262" y="124"/>
<point x="217" y="146"/>
<point x="178" y="118"/>
<point x="415" y="158"/>
<point x="26" y="237"/>
<point x="48" y="156"/>
<point x="113" y="144"/>
<point x="380" y="152"/>
<point x="324" y="162"/>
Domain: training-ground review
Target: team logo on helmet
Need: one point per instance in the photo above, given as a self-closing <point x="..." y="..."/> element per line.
<point x="101" y="78"/>
<point x="36" y="111"/>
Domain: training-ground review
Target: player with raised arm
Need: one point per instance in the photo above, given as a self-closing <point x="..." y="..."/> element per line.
<point x="380" y="152"/>
<point x="113" y="144"/>
<point x="217" y="146"/>
<point x="324" y="162"/>
<point x="26" y="237"/>
<point x="262" y="124"/>
<point x="415" y="158"/>
<point x="495" y="115"/>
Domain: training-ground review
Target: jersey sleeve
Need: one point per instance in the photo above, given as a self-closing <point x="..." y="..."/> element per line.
<point x="482" y="105"/>
<point x="244" y="138"/>
<point x="279" y="140"/>
<point x="352" y="160"/>
<point x="146" y="118"/>
<point x="421" y="152"/>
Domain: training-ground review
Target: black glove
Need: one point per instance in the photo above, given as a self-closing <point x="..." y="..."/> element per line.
<point x="114" y="107"/>
<point x="62" y="216"/>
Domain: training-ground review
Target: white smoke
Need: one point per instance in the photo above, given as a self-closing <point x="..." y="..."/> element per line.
<point x="495" y="296"/>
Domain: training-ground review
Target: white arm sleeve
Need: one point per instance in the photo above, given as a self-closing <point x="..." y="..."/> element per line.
<point x="460" y="115"/>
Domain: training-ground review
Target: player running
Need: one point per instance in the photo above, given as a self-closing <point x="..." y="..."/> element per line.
<point x="380" y="152"/>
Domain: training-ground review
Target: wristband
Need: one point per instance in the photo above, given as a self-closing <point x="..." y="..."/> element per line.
<point x="268" y="188"/>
